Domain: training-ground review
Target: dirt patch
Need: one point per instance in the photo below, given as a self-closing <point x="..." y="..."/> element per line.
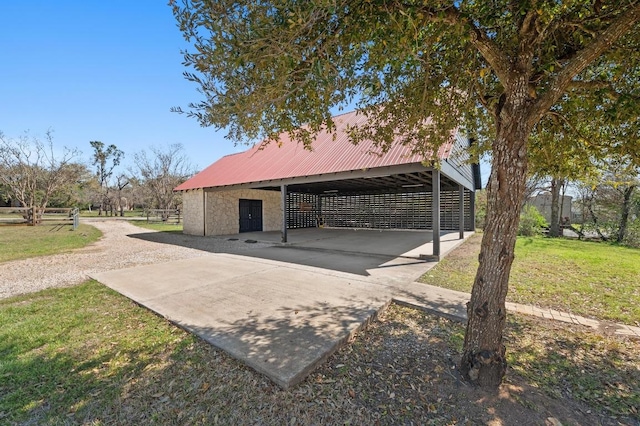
<point x="470" y="248"/>
<point x="405" y="369"/>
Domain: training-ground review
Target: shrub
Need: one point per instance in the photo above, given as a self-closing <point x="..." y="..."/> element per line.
<point x="632" y="237"/>
<point x="481" y="208"/>
<point x="531" y="222"/>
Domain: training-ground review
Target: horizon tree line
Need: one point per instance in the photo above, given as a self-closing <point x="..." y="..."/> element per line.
<point x="36" y="173"/>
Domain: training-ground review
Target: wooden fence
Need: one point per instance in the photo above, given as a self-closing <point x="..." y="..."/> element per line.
<point x="34" y="216"/>
<point x="163" y="215"/>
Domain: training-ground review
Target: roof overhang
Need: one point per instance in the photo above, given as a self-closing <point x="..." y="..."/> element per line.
<point x="413" y="177"/>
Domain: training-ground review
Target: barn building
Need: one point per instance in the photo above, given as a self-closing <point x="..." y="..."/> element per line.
<point x="282" y="186"/>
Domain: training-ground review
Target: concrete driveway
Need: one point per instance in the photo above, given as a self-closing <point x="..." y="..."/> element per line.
<point x="280" y="309"/>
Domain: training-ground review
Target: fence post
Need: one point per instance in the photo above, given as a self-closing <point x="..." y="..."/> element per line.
<point x="76" y="218"/>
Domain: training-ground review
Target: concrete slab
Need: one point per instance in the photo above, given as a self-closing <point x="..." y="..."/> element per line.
<point x="391" y="243"/>
<point x="280" y="319"/>
<point x="389" y="255"/>
<point x="449" y="303"/>
<point x="281" y="309"/>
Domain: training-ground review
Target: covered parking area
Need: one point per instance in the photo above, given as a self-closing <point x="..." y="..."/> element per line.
<point x="336" y="185"/>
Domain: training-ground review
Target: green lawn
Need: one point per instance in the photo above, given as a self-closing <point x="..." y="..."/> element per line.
<point x="80" y="362"/>
<point x="587" y="278"/>
<point x="158" y="226"/>
<point x="21" y="242"/>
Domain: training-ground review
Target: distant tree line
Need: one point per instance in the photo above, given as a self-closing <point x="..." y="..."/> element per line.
<point x="606" y="203"/>
<point x="36" y="173"/>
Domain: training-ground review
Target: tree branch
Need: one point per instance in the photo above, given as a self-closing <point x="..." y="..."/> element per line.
<point x="492" y="54"/>
<point x="569" y="124"/>
<point x="578" y="25"/>
<point x="584" y="57"/>
<point x="487" y="48"/>
<point x="590" y="85"/>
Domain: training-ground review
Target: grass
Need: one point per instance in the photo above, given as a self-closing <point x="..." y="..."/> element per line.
<point x="586" y="278"/>
<point x="22" y="242"/>
<point x="563" y="361"/>
<point x="158" y="226"/>
<point x="106" y="360"/>
<point x="79" y="362"/>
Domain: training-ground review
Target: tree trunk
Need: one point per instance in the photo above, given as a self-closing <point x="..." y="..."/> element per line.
<point x="626" y="208"/>
<point x="120" y="205"/>
<point x="554" y="225"/>
<point x="594" y="218"/>
<point x="483" y="360"/>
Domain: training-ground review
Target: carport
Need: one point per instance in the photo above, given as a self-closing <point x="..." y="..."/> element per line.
<point x="335" y="185"/>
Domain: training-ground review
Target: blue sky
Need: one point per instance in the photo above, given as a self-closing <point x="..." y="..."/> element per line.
<point x="99" y="70"/>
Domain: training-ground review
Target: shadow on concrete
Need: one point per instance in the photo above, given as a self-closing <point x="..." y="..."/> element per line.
<point x="289" y="345"/>
<point x="280" y="319"/>
<point x="351" y="251"/>
<point x="453" y="308"/>
<point x="292" y="306"/>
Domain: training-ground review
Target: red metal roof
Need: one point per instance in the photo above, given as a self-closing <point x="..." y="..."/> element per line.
<point x="289" y="159"/>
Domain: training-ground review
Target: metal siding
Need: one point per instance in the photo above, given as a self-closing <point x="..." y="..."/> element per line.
<point x="395" y="210"/>
<point x="460" y="157"/>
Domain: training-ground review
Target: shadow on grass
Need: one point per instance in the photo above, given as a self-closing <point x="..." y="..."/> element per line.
<point x="67" y="353"/>
<point x="41" y="389"/>
<point x="578" y="363"/>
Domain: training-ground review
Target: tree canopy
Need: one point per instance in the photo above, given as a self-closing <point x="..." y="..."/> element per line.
<point x="418" y="69"/>
<point x="269" y="67"/>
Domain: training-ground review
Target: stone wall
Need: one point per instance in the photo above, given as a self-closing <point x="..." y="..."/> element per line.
<point x="192" y="208"/>
<point x="223" y="213"/>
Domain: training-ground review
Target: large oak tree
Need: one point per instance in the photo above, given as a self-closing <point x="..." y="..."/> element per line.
<point x="496" y="68"/>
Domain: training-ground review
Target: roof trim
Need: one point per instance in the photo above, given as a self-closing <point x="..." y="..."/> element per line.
<point x="327" y="177"/>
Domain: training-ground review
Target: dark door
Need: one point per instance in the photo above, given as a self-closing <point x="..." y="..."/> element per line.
<point x="250" y="215"/>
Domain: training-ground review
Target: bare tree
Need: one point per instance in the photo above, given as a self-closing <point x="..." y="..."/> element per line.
<point x="160" y="172"/>
<point x="32" y="171"/>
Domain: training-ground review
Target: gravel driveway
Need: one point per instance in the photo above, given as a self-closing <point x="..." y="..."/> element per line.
<point x="118" y="248"/>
